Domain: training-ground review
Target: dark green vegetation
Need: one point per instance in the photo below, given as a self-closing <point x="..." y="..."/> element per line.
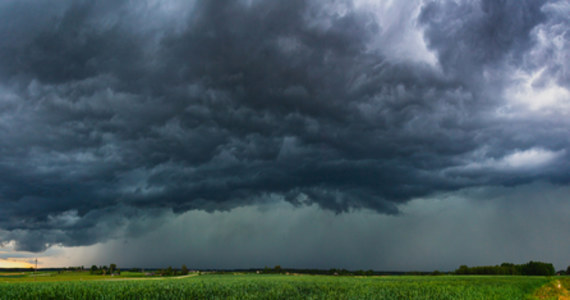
<point x="530" y="268"/>
<point x="253" y="286"/>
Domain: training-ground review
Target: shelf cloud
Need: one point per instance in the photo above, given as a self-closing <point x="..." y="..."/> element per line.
<point x="116" y="112"/>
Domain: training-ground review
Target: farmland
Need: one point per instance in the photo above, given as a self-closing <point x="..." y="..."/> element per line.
<point x="261" y="286"/>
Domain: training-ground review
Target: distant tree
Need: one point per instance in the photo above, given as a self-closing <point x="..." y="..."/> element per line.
<point x="568" y="270"/>
<point x="169" y="271"/>
<point x="94" y="269"/>
<point x="538" y="268"/>
<point x="277" y="269"/>
<point x="463" y="270"/>
<point x="184" y="270"/>
<point x="530" y="268"/>
<point x="112" y="268"/>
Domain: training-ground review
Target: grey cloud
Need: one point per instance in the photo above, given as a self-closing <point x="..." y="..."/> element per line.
<point x="473" y="34"/>
<point x="553" y="45"/>
<point x="111" y="107"/>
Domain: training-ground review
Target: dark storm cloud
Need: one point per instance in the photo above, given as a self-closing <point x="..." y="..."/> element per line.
<point x="111" y="109"/>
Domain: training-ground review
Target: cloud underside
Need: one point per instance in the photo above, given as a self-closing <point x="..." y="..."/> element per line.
<point x="143" y="107"/>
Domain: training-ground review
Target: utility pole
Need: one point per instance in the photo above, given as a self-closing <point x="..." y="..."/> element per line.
<point x="36" y="270"/>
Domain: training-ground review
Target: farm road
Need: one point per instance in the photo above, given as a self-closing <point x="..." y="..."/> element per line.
<point x="151" y="278"/>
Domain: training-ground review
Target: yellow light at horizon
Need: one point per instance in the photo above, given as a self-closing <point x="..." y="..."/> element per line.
<point x="5" y="263"/>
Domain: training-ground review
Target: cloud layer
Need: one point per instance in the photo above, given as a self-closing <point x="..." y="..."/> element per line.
<point x="114" y="111"/>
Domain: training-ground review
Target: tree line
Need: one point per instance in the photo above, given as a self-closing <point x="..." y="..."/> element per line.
<point x="173" y="272"/>
<point x="104" y="270"/>
<point x="530" y="268"/>
<point x="113" y="270"/>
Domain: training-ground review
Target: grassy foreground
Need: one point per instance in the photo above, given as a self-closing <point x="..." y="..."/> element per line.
<point x="253" y="286"/>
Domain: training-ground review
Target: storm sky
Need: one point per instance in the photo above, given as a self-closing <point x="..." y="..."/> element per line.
<point x="365" y="134"/>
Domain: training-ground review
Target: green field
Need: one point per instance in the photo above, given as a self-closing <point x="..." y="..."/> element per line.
<point x="254" y="286"/>
<point x="8" y="277"/>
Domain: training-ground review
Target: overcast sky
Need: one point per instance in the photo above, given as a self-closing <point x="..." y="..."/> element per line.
<point x="401" y="135"/>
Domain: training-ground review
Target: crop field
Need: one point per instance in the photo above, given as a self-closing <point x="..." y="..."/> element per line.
<point x="55" y="276"/>
<point x="254" y="286"/>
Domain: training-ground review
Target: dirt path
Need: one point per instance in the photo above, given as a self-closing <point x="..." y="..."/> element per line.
<point x="148" y="278"/>
<point x="553" y="290"/>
